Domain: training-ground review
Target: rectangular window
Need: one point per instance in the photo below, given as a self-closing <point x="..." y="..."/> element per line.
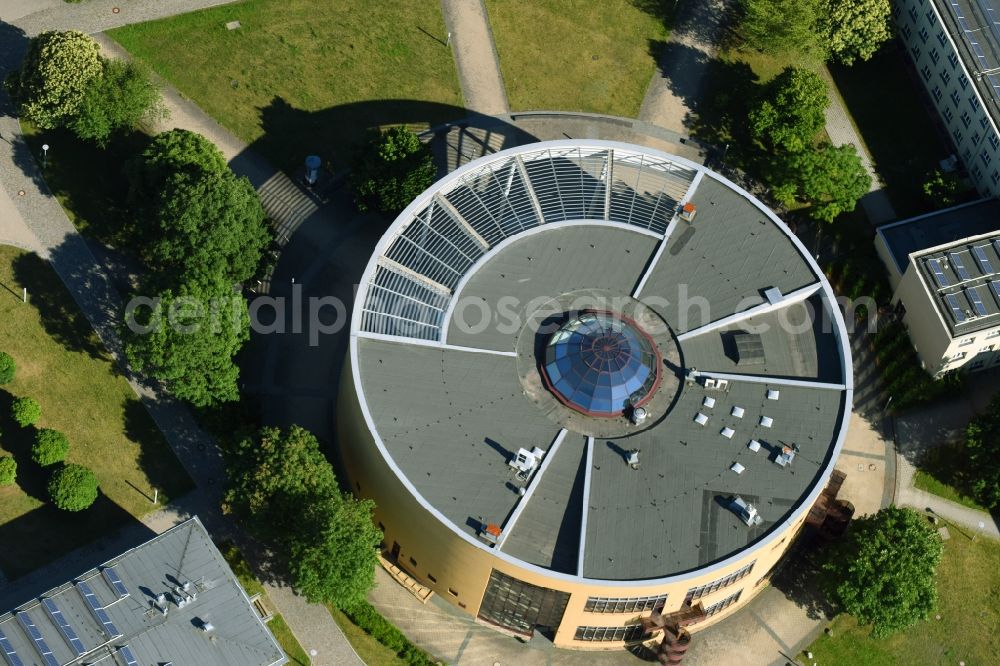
<point x="953" y="59"/>
<point x="723" y="605"/>
<point x="915" y="50"/>
<point x="624" y="604"/>
<point x="936" y="93"/>
<point x="993" y="334"/>
<point x="966" y="119"/>
<point x="957" y="357"/>
<point x="948" y="114"/>
<point x="975" y="138"/>
<point x="935" y="56"/>
<point x="413" y="562"/>
<point x="945" y="76"/>
<point x="452" y="592"/>
<point x="995" y="176"/>
<point x="924" y="36"/>
<point x="913" y="14"/>
<point x="696" y="593"/>
<point x="986" y="157"/>
<point x="607" y="634"/>
<point x="966" y="155"/>
<point x="907" y="32"/>
<point x="995" y="141"/>
<point x="432" y="578"/>
<point x="963" y="81"/>
<point x="983" y="121"/>
<point x="955" y="98"/>
<point x="957" y="134"/>
<point x="520" y="606"/>
<point x="977" y="172"/>
<point x="925" y="72"/>
<point x="966" y="342"/>
<point x="974" y="102"/>
<point x="940" y="34"/>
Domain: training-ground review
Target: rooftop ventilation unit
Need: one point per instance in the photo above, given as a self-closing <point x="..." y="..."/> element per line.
<point x="639" y="414"/>
<point x="727" y="432"/>
<point x="632" y="458"/>
<point x="737" y="467"/>
<point x="766" y="421"/>
<point x="207" y="627"/>
<point x="709" y="401"/>
<point x="491" y="533"/>
<point x="700" y="419"/>
<point x="773" y="394"/>
<point x="717" y="384"/>
<point x="754" y="445"/>
<point x="749" y="349"/>
<point x="688" y="212"/>
<point x="737" y="412"/>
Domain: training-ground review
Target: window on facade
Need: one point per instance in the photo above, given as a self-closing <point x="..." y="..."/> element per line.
<point x="986" y="157"/>
<point x="623" y="604"/>
<point x="924" y="36"/>
<point x="606" y="634"/>
<point x="913" y="14"/>
<point x="520" y="606"/>
<point x="948" y="114"/>
<point x="935" y="56"/>
<point x="696" y="593"/>
<point x="975" y="138"/>
<point x="957" y="357"/>
<point x="966" y="155"/>
<point x="907" y="31"/>
<point x="963" y="80"/>
<point x="925" y="72"/>
<point x="957" y="133"/>
<point x="995" y="141"/>
<point x="966" y="118"/>
<point x="940" y="34"/>
<point x="432" y="578"/>
<point x="723" y="605"/>
<point x="977" y="172"/>
<point x="915" y="50"/>
<point x="983" y="121"/>
<point x="974" y="102"/>
<point x="413" y="562"/>
<point x="993" y="334"/>
<point x="953" y="59"/>
<point x="978" y="364"/>
<point x="945" y="77"/>
<point x="955" y="99"/>
<point x="936" y="93"/>
<point x="995" y="176"/>
<point x="966" y="341"/>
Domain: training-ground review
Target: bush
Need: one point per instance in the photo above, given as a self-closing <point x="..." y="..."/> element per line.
<point x="364" y="615"/>
<point x="390" y="170"/>
<point x="57" y="69"/>
<point x="8" y="470"/>
<point x="7" y="368"/>
<point x="26" y="411"/>
<point x="121" y="98"/>
<point x="73" y="488"/>
<point x="50" y="447"/>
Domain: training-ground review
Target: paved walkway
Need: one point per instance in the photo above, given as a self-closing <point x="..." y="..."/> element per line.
<point x="940" y="424"/>
<point x="475" y="56"/>
<point x="841" y="130"/>
<point x="35" y="220"/>
<point x="675" y="89"/>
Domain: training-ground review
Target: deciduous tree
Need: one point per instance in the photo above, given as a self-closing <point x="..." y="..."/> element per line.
<point x="790" y="111"/>
<point x="25" y="411"/>
<point x="390" y="169"/>
<point x="982" y="448"/>
<point x="857" y="28"/>
<point x="170" y="153"/>
<point x="7" y="368"/>
<point x="779" y="27"/>
<point x="882" y="571"/>
<point x="8" y="470"/>
<point x="830" y="179"/>
<point x="187" y="340"/>
<point x="50" y="447"/>
<point x="121" y="98"/>
<point x="53" y="78"/>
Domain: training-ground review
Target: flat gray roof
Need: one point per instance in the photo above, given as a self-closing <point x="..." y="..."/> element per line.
<point x="941" y="227"/>
<point x="449" y="407"/>
<point x="964" y="281"/>
<point x="182" y="554"/>
<point x="973" y="25"/>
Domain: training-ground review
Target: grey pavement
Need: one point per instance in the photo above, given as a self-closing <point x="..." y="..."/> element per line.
<point x="676" y="86"/>
<point x="475" y="56"/>
<point x="841" y="130"/>
<point x="940" y="424"/>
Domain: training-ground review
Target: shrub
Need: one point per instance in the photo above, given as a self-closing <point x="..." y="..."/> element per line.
<point x="8" y="470"/>
<point x="50" y="447"/>
<point x="7" y="368"/>
<point x="364" y="615"/>
<point x="73" y="488"/>
<point x="120" y="99"/>
<point x="26" y="411"/>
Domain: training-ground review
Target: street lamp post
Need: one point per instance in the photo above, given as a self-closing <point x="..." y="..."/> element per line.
<point x="979" y="531"/>
<point x="45" y="155"/>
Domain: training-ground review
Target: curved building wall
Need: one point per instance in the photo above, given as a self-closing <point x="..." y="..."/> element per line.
<point x="461" y="572"/>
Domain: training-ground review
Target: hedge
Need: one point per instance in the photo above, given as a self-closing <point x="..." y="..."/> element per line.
<point x="364" y="615"/>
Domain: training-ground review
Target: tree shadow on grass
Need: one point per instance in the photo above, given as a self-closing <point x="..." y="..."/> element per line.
<point x="156" y="458"/>
<point x="60" y="316"/>
<point x="17" y="441"/>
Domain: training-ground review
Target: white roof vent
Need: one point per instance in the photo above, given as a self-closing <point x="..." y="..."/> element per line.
<point x="737" y="412"/>
<point x="754" y="445"/>
<point x="773" y="295"/>
<point x="207" y="627"/>
<point x="738" y="468"/>
<point x="700" y="419"/>
<point x="773" y="394"/>
<point x="709" y="402"/>
<point x="727" y="432"/>
<point x="766" y="421"/>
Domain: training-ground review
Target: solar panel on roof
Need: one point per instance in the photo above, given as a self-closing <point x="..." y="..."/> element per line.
<point x="64" y="627"/>
<point x="959" y="266"/>
<point x="979" y="252"/>
<point x="116" y="582"/>
<point x="956" y="311"/>
<point x="939" y="276"/>
<point x="972" y="293"/>
<point x="995" y="286"/>
<point x="8" y="651"/>
<point x="126" y="652"/>
<point x="37" y="639"/>
<point x="95" y="607"/>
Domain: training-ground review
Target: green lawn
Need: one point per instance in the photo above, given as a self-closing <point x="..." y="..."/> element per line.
<point x="63" y="365"/>
<point x="576" y="55"/>
<point x="369" y="649"/>
<point x="303" y="77"/>
<point x="277" y="625"/>
<point x="969" y="629"/>
<point x="904" y="146"/>
<point x="941" y="473"/>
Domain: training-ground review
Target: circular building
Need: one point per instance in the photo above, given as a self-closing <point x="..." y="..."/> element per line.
<point x="590" y="382"/>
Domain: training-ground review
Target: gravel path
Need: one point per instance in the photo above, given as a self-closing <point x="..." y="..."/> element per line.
<point x="475" y="56"/>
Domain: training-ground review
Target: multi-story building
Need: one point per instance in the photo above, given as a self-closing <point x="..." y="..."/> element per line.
<point x="589" y="383"/>
<point x="955" y="46"/>
<point x="171" y="600"/>
<point x="944" y="268"/>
